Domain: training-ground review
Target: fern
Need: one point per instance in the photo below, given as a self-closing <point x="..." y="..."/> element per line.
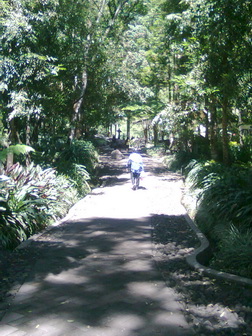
<point x="15" y="149"/>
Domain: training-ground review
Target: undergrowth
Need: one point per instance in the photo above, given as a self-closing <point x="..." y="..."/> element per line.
<point x="223" y="211"/>
<point x="33" y="196"/>
<point x="30" y="199"/>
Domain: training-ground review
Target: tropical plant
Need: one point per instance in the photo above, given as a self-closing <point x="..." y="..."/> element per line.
<point x="30" y="199"/>
<point x="235" y="252"/>
<point x="240" y="153"/>
<point x="178" y="161"/>
<point x="14" y="149"/>
<point x="202" y="174"/>
<point x="223" y="211"/>
<point x="79" y="178"/>
<point x="79" y="152"/>
<point x="229" y="196"/>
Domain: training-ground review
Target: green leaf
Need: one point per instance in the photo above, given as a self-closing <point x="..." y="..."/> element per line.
<point x="20" y="149"/>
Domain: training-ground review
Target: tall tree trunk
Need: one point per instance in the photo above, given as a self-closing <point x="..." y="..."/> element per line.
<point x="78" y="104"/>
<point x="28" y="131"/>
<point x="14" y="138"/>
<point x="169" y="83"/>
<point x="155" y="134"/>
<point x="145" y="135"/>
<point x="128" y="126"/>
<point x="206" y="114"/>
<point x="225" y="146"/>
<point x="213" y="136"/>
<point x="239" y="130"/>
<point x="28" y="139"/>
<point x="35" y="133"/>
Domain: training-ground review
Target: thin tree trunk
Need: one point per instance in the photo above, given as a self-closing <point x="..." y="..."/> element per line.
<point x="28" y="139"/>
<point x="213" y="137"/>
<point x="145" y="135"/>
<point x="225" y="146"/>
<point x="35" y="133"/>
<point x="239" y="130"/>
<point x="77" y="106"/>
<point x="28" y="132"/>
<point x="155" y="133"/>
<point x="128" y="127"/>
<point x="14" y="138"/>
<point x="206" y="113"/>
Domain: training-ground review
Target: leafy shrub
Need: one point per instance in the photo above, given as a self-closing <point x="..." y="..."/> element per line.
<point x="202" y="174"/>
<point x="224" y="208"/>
<point x="78" y="163"/>
<point x="100" y="141"/>
<point x="29" y="199"/>
<point x="78" y="152"/>
<point x="14" y="149"/>
<point x="239" y="153"/>
<point x="200" y="146"/>
<point x="48" y="149"/>
<point x="67" y="195"/>
<point x="155" y="151"/>
<point x="235" y="252"/>
<point x="229" y="196"/>
<point x="79" y="177"/>
<point x="178" y="161"/>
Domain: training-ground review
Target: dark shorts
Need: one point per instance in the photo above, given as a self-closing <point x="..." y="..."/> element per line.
<point x="136" y="174"/>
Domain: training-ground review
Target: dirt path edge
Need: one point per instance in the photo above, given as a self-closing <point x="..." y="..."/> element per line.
<point x="202" y="253"/>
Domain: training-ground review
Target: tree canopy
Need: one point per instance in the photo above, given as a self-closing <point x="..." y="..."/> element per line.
<point x="68" y="68"/>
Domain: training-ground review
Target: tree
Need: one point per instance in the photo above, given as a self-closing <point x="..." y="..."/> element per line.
<point x="207" y="56"/>
<point x="23" y="68"/>
<point x="106" y="20"/>
<point x="222" y="29"/>
<point x="57" y="67"/>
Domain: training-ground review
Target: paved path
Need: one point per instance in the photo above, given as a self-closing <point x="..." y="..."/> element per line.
<point x="95" y="275"/>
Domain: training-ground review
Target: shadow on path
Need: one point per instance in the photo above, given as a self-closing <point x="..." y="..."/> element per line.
<point x="96" y="277"/>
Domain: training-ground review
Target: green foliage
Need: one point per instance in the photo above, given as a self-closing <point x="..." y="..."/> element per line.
<point x="15" y="149"/>
<point x="202" y="174"/>
<point x="79" y="177"/>
<point x="78" y="152"/>
<point x="235" y="252"/>
<point x="207" y="61"/>
<point x="224" y="211"/>
<point x="178" y="161"/>
<point x="78" y="162"/>
<point x="229" y="196"/>
<point x="99" y="142"/>
<point x="240" y="153"/>
<point x="48" y="149"/>
<point x="30" y="198"/>
<point x="155" y="151"/>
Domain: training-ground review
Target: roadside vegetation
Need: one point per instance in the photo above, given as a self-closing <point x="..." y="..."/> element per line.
<point x="34" y="195"/>
<point x="220" y="202"/>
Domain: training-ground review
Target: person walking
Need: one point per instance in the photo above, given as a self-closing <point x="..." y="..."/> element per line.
<point x="135" y="165"/>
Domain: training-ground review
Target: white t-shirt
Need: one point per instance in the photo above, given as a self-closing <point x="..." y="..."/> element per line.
<point x="136" y="162"/>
